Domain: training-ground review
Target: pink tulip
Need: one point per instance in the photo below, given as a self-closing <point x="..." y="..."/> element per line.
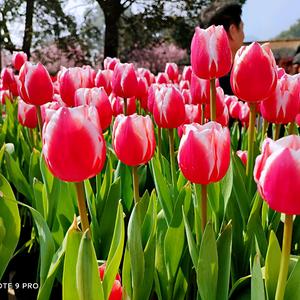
<point x="72" y="79"/>
<point x="103" y="79"/>
<point x="200" y="90"/>
<point x="172" y="70"/>
<point x="110" y="63"/>
<point x="277" y="174"/>
<point x="192" y="115"/>
<point x="35" y="84"/>
<point x="5" y="96"/>
<point x="133" y="139"/>
<point x="18" y="59"/>
<point x="244" y="114"/>
<point x="124" y="81"/>
<point x="9" y="81"/>
<point x="117" y="104"/>
<point x="210" y="52"/>
<point x="243" y="155"/>
<point x="204" y="152"/>
<point x="116" y="291"/>
<point x="235" y="108"/>
<point x="187" y="73"/>
<point x="297" y="120"/>
<point x="73" y="145"/>
<point x="187" y="97"/>
<point x="162" y="78"/>
<point x="284" y="104"/>
<point x="229" y="99"/>
<point x="254" y="75"/>
<point x="96" y="97"/>
<point x="184" y="85"/>
<point x="168" y="107"/>
<point x="27" y="114"/>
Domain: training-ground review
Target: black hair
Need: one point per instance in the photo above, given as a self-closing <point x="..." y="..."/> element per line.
<point x="225" y="15"/>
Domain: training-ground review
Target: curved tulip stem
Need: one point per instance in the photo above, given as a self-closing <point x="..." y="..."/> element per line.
<point x="285" y="257"/>
<point x="203" y="206"/>
<point x="213" y="99"/>
<point x="82" y="207"/>
<point x="276" y="132"/>
<point x="172" y="158"/>
<point x="125" y="106"/>
<point x="39" y="117"/>
<point x="135" y="179"/>
<point x="251" y="139"/>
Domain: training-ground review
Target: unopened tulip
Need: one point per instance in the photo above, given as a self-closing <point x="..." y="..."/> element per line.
<point x="116" y="291"/>
<point x="187" y="73"/>
<point x="184" y="85"/>
<point x="204" y="152"/>
<point x="133" y="139"/>
<point x="277" y="174"/>
<point x="27" y="115"/>
<point x="72" y="79"/>
<point x="162" y="78"/>
<point x="124" y="81"/>
<point x="254" y="74"/>
<point x="243" y="155"/>
<point x="229" y="99"/>
<point x="145" y="73"/>
<point x="110" y="63"/>
<point x="192" y="115"/>
<point x="297" y="120"/>
<point x="36" y="86"/>
<point x="210" y="52"/>
<point x="5" y="96"/>
<point x="199" y="90"/>
<point x="187" y="97"/>
<point x="73" y="145"/>
<point x="103" y="79"/>
<point x="172" y="70"/>
<point x="244" y="114"/>
<point x="18" y="59"/>
<point x="235" y="108"/>
<point x="168" y="107"/>
<point x="284" y="104"/>
<point x="117" y="104"/>
<point x="9" y="81"/>
<point x="98" y="98"/>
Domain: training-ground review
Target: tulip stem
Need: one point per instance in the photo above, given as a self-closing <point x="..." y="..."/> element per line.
<point x="276" y="132"/>
<point x="251" y="139"/>
<point x="82" y="206"/>
<point x="213" y="99"/>
<point x="285" y="257"/>
<point x="172" y="157"/>
<point x="264" y="129"/>
<point x="39" y="117"/>
<point x="202" y="106"/>
<point x="125" y="106"/>
<point x="203" y="206"/>
<point x="135" y="179"/>
<point x="292" y="128"/>
<point x="159" y="141"/>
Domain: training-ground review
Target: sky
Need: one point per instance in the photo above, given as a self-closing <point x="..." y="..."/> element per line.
<point x="264" y="19"/>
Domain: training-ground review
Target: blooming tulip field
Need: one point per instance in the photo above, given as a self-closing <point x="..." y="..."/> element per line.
<point x="123" y="184"/>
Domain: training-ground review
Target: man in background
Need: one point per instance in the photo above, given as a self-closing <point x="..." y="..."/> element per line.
<point x="228" y="15"/>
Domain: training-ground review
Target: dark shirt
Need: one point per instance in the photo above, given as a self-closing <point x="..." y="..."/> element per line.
<point x="225" y="84"/>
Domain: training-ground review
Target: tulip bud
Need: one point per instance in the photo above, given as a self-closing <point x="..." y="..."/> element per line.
<point x="204" y="152"/>
<point x="103" y="79"/>
<point x="162" y="78"/>
<point x="187" y="73"/>
<point x="18" y="59"/>
<point x="9" y="81"/>
<point x="168" y="107"/>
<point x="133" y="139"/>
<point x="172" y="70"/>
<point x="254" y="75"/>
<point x="27" y="114"/>
<point x="277" y="175"/>
<point x="5" y="96"/>
<point x="210" y="52"/>
<point x="73" y="145"/>
<point x="243" y="155"/>
<point x="110" y="63"/>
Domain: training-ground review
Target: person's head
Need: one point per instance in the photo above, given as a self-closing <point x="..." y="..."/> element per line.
<point x="296" y="64"/>
<point x="228" y="15"/>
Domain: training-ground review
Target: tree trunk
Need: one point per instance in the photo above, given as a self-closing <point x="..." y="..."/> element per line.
<point x="112" y="12"/>
<point x="28" y="27"/>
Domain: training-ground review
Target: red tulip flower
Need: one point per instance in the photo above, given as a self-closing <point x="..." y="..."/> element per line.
<point x="168" y="107"/>
<point x="172" y="70"/>
<point x="9" y="81"/>
<point x="145" y="73"/>
<point x="230" y="99"/>
<point x="187" y="73"/>
<point x="210" y="52"/>
<point x="72" y="79"/>
<point x="36" y="86"/>
<point x="204" y="152"/>
<point x="27" y="114"/>
<point x="73" y="145"/>
<point x="284" y="104"/>
<point x="192" y="115"/>
<point x="277" y="174"/>
<point x="124" y="81"/>
<point x="187" y="97"/>
<point x="235" y="108"/>
<point x="116" y="292"/>
<point x="297" y="120"/>
<point x="117" y="104"/>
<point x="243" y="155"/>
<point x="162" y="78"/>
<point x="244" y="114"/>
<point x="18" y="59"/>
<point x="5" y="96"/>
<point x="254" y="74"/>
<point x="110" y="63"/>
<point x="103" y="79"/>
<point x="98" y="98"/>
<point x="133" y="139"/>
